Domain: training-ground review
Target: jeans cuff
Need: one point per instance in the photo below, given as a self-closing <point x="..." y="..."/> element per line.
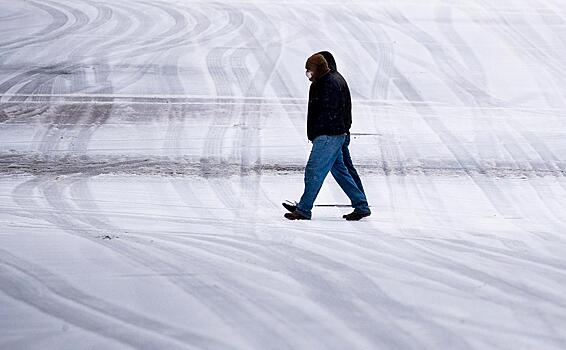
<point x="362" y="210"/>
<point x="303" y="213"/>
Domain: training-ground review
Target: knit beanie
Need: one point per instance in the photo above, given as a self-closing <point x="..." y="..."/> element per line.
<point x="318" y="65"/>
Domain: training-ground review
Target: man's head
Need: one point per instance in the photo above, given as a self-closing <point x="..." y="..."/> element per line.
<point x="316" y="67"/>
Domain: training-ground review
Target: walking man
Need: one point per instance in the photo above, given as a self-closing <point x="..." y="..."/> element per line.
<point x="347" y="118"/>
<point x="327" y="128"/>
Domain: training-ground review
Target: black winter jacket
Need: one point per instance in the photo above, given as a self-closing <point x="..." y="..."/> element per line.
<point x="327" y="109"/>
<point x="343" y="85"/>
<point x="347" y="99"/>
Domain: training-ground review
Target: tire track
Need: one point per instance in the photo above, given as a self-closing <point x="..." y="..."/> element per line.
<point x="451" y="70"/>
<point x="42" y="83"/>
<point x="502" y="137"/>
<point x="381" y="49"/>
<point x="300" y="271"/>
<point x="248" y="140"/>
<point x="73" y="222"/>
<point x="24" y="281"/>
<point x="523" y="39"/>
<point x="463" y="157"/>
<point x="51" y="32"/>
<point x="212" y="151"/>
<point x="222" y="302"/>
<point x="513" y="148"/>
<point x="174" y="135"/>
<point x="443" y="15"/>
<point x="369" y="252"/>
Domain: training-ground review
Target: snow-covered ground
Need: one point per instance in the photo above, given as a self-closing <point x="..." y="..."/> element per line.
<point x="145" y="147"/>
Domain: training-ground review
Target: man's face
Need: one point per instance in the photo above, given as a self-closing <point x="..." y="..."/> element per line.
<point x="310" y="71"/>
<point x="309" y="74"/>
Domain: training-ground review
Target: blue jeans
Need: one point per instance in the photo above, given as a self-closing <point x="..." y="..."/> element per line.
<point x="326" y="155"/>
<point x="350" y="165"/>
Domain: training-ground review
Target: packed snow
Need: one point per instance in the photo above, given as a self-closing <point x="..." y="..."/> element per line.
<point x="146" y="146"/>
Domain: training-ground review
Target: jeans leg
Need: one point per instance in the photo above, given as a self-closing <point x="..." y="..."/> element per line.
<point x="350" y="165"/>
<point x="346" y="182"/>
<point x="325" y="150"/>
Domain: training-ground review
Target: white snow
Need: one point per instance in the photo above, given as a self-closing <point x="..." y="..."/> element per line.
<point x="146" y="146"/>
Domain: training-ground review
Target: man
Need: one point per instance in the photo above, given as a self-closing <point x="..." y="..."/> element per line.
<point x="327" y="127"/>
<point x="347" y="118"/>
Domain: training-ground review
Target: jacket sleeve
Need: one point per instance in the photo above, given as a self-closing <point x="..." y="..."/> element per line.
<point x="312" y="113"/>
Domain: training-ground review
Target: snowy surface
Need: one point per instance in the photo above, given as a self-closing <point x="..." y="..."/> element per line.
<point x="145" y="147"/>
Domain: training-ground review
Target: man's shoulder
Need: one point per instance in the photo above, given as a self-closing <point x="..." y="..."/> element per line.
<point x="330" y="79"/>
<point x="339" y="78"/>
<point x="336" y="74"/>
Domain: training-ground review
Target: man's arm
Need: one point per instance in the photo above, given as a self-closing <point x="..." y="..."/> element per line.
<point x="312" y="113"/>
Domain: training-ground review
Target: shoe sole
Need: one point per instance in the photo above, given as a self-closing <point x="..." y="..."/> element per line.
<point x="355" y="219"/>
<point x="292" y="216"/>
<point x="295" y="219"/>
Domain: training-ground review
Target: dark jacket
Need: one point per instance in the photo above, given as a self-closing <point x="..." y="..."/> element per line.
<point x="343" y="86"/>
<point x="327" y="107"/>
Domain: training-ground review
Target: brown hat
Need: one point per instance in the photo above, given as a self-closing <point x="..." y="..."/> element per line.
<point x="317" y="60"/>
<point x="318" y="65"/>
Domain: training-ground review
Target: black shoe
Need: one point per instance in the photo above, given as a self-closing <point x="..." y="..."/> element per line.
<point x="295" y="216"/>
<point x="354" y="216"/>
<point x="290" y="206"/>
